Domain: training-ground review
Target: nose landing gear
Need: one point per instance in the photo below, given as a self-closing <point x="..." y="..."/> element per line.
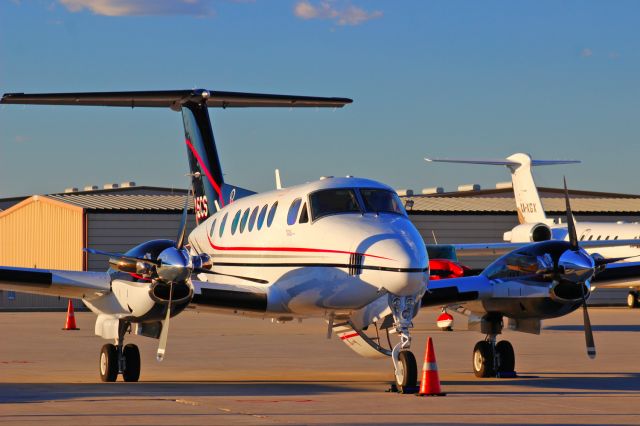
<point x="404" y="362"/>
<point x="120" y="359"/>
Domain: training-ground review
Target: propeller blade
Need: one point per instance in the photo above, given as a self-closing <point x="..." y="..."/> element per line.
<point x="207" y="271"/>
<point x="588" y="333"/>
<point x="182" y="232"/>
<point x="120" y="256"/>
<point x="571" y="225"/>
<point x="164" y="334"/>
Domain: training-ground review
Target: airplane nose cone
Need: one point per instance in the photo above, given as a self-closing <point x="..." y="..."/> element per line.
<point x="576" y="266"/>
<point x="401" y="265"/>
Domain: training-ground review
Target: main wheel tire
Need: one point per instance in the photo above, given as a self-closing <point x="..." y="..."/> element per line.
<point x="108" y="363"/>
<point x="506" y="357"/>
<point x="407" y="374"/>
<point x="632" y="299"/>
<point x="131" y="371"/>
<point x="483" y="360"/>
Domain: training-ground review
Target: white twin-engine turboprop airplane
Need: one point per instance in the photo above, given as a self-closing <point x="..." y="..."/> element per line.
<point x="535" y="226"/>
<point x="342" y="249"/>
<point x="337" y="248"/>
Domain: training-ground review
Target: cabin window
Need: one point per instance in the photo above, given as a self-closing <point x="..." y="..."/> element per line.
<point x="236" y="220"/>
<point x="615" y="238"/>
<point x="252" y="219"/>
<point x="381" y="201"/>
<point x="607" y="237"/>
<point x="272" y="214"/>
<point x="245" y="218"/>
<point x="598" y="237"/>
<point x="293" y="211"/>
<point x="333" y="201"/>
<point x="581" y="237"/>
<point x="222" y="223"/>
<point x="261" y="216"/>
<point x="590" y="237"/>
<point x="304" y="215"/>
<point x="213" y="227"/>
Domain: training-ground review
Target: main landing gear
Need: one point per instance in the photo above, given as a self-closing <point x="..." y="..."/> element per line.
<point x="120" y="359"/>
<point x="404" y="362"/>
<point x="632" y="299"/>
<point x="491" y="358"/>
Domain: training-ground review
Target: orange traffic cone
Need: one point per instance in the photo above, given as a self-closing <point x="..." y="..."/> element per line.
<point x="70" y="324"/>
<point x="430" y="383"/>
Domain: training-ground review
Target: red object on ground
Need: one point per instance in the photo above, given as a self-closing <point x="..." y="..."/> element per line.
<point x="430" y="383"/>
<point x="70" y="324"/>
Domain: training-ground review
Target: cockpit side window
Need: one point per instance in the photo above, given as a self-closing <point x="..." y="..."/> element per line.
<point x="293" y="211"/>
<point x="333" y="201"/>
<point x="304" y="215"/>
<point x="381" y="201"/>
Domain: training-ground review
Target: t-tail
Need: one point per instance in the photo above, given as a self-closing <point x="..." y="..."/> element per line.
<point x="528" y="204"/>
<point x="204" y="163"/>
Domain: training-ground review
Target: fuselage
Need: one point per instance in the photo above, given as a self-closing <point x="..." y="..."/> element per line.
<point x="600" y="231"/>
<point x="333" y="245"/>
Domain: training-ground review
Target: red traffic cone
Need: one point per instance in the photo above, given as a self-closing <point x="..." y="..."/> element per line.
<point x="70" y="324"/>
<point x="430" y="383"/>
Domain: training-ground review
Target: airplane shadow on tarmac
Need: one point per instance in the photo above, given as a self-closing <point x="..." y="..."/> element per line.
<point x="609" y="328"/>
<point x="541" y="383"/>
<point x="40" y="392"/>
<point x="534" y="383"/>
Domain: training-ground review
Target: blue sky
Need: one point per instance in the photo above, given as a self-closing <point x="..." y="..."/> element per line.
<point x="557" y="79"/>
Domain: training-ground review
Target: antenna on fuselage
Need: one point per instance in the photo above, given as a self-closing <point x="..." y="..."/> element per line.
<point x="278" y="181"/>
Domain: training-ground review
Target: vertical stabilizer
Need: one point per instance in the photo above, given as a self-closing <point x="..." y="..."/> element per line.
<point x="204" y="163"/>
<point x="528" y="204"/>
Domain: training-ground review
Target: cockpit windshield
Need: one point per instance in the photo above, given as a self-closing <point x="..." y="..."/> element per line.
<point x="381" y="201"/>
<point x="333" y="201"/>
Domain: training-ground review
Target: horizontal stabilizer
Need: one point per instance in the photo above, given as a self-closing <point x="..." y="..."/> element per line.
<point x="500" y="162"/>
<point x="172" y="99"/>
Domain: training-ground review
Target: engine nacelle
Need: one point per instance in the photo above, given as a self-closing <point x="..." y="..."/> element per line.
<point x="146" y="301"/>
<point x="528" y="233"/>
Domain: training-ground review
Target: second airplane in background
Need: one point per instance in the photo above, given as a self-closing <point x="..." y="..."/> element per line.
<point x="535" y="226"/>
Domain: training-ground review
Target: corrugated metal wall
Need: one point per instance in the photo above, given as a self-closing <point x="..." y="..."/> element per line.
<point x="119" y="232"/>
<point x="40" y="233"/>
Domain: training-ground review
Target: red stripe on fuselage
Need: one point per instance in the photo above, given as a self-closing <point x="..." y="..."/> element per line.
<point x="293" y="249"/>
<point x="206" y="171"/>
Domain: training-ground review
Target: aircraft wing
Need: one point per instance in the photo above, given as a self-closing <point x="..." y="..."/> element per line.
<point x="456" y="290"/>
<point x="249" y="297"/>
<point x="618" y="275"/>
<point x="50" y="282"/>
<point x="498" y="249"/>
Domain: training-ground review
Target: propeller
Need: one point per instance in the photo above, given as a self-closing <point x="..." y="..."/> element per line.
<point x="573" y="244"/>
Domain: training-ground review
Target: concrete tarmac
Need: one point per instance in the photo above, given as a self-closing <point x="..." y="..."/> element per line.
<point x="233" y="370"/>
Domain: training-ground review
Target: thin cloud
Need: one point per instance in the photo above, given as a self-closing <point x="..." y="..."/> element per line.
<point x="331" y="10"/>
<point x="139" y="7"/>
<point x="22" y="139"/>
<point x="586" y="52"/>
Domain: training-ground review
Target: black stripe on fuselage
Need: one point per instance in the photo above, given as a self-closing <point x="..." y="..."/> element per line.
<point x="26" y="277"/>
<point x="242" y="301"/>
<point x="320" y="265"/>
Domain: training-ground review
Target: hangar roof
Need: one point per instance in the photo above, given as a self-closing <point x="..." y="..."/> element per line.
<point x="125" y="202"/>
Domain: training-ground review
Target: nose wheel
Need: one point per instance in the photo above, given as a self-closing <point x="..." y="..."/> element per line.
<point x="632" y="299"/>
<point x="491" y="359"/>
<point x="120" y="359"/>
